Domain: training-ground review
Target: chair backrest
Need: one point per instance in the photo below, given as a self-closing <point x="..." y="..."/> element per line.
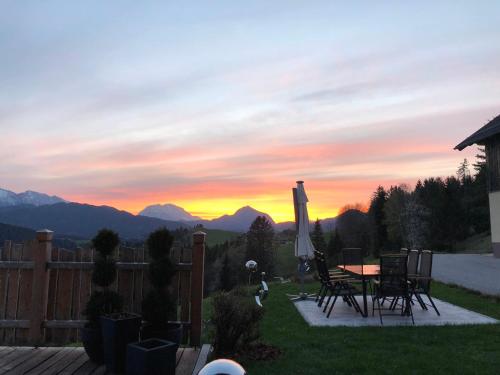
<point x="353" y="256"/>
<point x="413" y="262"/>
<point x="403" y="251"/>
<point x="393" y="275"/>
<point x="323" y="273"/>
<point x="425" y="269"/>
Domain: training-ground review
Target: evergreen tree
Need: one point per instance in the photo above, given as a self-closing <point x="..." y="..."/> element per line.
<point x="377" y="219"/>
<point x="463" y="171"/>
<point x="260" y="244"/>
<point x="226" y="281"/>
<point x="335" y="246"/>
<point x="317" y="237"/>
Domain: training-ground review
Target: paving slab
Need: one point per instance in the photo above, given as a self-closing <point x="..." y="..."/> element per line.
<point x="479" y="272"/>
<point x="343" y="315"/>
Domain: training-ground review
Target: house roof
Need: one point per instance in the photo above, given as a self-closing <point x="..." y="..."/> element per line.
<point x="491" y="129"/>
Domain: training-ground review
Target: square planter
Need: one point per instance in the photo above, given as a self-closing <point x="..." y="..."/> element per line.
<point x="118" y="330"/>
<point x="151" y="357"/>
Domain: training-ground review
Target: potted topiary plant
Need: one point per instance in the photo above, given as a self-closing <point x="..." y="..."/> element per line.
<point x="102" y="300"/>
<point x="117" y="328"/>
<point x="159" y="307"/>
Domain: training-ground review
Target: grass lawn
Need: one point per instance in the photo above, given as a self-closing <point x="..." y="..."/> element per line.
<point x="384" y="350"/>
<point x="217" y="236"/>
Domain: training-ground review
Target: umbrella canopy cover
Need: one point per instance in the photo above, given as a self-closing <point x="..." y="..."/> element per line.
<point x="303" y="245"/>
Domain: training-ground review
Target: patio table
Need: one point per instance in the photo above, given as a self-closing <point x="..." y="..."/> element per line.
<point x="363" y="272"/>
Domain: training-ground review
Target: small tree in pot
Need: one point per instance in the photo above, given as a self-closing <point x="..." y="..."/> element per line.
<point x="118" y="328"/>
<point x="102" y="301"/>
<point x="158" y="307"/>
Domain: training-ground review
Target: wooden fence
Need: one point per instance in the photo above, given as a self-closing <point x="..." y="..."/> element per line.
<point x="43" y="289"/>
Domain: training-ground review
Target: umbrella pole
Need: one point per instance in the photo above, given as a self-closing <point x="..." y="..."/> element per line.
<point x="302" y="296"/>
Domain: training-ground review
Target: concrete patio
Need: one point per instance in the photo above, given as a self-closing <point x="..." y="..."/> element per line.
<point x="343" y="315"/>
<point x="479" y="272"/>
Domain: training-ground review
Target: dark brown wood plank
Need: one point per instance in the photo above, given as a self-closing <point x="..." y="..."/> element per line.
<point x="86" y="281"/>
<point x="51" y="300"/>
<point x="62" y="361"/>
<point x="13" y="355"/>
<point x="76" y="363"/>
<point x="87" y="368"/>
<point x="13" y="288"/>
<point x="101" y="370"/>
<point x="187" y="362"/>
<point x="64" y="297"/>
<point x="75" y="296"/>
<point x="25" y="292"/>
<point x="43" y="367"/>
<point x="5" y="349"/>
<point x="202" y="358"/>
<point x="4" y="285"/>
<point x="34" y="359"/>
<point x="14" y="362"/>
<point x="178" y="356"/>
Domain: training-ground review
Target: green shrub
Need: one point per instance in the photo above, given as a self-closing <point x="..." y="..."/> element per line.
<point x="159" y="306"/>
<point x="103" y="301"/>
<point x="161" y="272"/>
<point x="236" y="320"/>
<point x="104" y="271"/>
<point x="105" y="242"/>
<point x="159" y="243"/>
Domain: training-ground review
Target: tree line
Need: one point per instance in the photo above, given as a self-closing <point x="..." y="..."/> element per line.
<point x="436" y="214"/>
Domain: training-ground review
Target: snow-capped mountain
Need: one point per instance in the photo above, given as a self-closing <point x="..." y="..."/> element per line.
<point x="9" y="198"/>
<point x="168" y="212"/>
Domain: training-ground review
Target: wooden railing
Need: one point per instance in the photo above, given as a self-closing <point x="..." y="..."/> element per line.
<point x="43" y="289"/>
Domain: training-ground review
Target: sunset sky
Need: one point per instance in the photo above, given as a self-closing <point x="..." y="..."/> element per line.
<point x="216" y="105"/>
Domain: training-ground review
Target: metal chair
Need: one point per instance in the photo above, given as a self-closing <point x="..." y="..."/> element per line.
<point x="412" y="267"/>
<point x="423" y="280"/>
<point x="329" y="280"/>
<point x="393" y="283"/>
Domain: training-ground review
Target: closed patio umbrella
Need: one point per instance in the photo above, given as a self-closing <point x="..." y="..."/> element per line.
<point x="304" y="248"/>
<point x="303" y="245"/>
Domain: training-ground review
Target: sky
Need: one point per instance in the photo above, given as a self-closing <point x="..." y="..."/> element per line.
<point x="217" y="105"/>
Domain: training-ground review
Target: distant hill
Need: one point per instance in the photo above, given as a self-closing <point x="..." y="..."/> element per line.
<point x="19" y="234"/>
<point x="82" y="220"/>
<point x="168" y="212"/>
<point x="9" y="198"/>
<point x="240" y="221"/>
<point x="327" y="224"/>
<point x="15" y="233"/>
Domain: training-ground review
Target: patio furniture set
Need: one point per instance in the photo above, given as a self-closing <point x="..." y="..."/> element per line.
<point x="399" y="281"/>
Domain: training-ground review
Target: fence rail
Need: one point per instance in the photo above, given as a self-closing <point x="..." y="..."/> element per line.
<point x="43" y="289"/>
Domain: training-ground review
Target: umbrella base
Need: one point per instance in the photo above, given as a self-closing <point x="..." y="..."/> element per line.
<point x="301" y="297"/>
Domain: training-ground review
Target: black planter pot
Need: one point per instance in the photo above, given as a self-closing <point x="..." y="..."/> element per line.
<point x="151" y="357"/>
<point x="170" y="332"/>
<point x="92" y="342"/>
<point x="118" y="330"/>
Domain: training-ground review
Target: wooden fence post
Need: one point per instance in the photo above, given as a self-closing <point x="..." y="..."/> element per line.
<point x="39" y="297"/>
<point x="198" y="263"/>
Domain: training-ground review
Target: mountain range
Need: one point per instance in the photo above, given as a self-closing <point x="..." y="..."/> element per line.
<point x="9" y="198"/>
<point x="168" y="211"/>
<point x="34" y="211"/>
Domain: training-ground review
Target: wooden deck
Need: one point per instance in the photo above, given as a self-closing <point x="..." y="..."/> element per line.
<point x="73" y="360"/>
